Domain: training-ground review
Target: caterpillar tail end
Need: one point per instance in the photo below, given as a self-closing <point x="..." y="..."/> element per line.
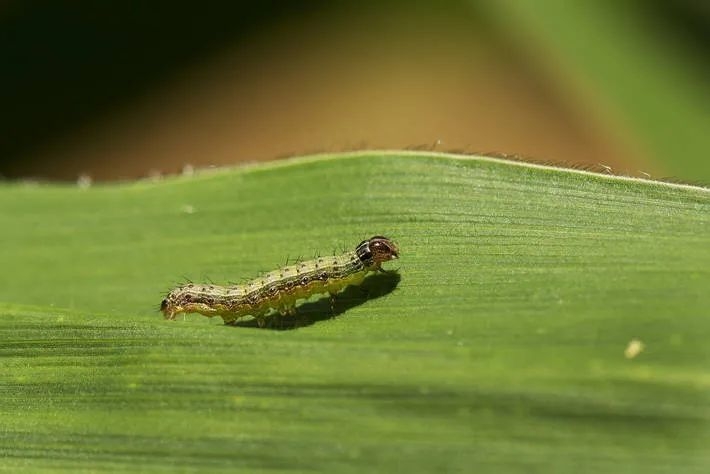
<point x="167" y="310"/>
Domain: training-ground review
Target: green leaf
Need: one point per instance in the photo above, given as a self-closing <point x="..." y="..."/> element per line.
<point x="510" y="341"/>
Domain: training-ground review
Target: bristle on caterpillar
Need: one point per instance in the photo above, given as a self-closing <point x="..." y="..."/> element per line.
<point x="280" y="290"/>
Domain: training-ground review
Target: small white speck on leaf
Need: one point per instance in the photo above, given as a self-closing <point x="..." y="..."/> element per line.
<point x="188" y="170"/>
<point x="84" y="181"/>
<point x="188" y="209"/>
<point x="634" y="348"/>
<point x="155" y="175"/>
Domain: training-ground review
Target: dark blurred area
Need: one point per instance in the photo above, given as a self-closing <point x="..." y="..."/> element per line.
<point x="68" y="63"/>
<point x="120" y="90"/>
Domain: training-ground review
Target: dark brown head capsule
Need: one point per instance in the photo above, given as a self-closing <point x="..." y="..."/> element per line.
<point x="375" y="250"/>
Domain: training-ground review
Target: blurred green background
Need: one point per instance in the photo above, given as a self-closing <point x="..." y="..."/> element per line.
<point x="117" y="90"/>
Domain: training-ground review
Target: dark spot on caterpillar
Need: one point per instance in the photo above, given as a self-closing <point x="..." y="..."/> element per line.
<point x="304" y="281"/>
<point x="163" y="304"/>
<point x="323" y="276"/>
<point x="365" y="255"/>
<point x="187" y="298"/>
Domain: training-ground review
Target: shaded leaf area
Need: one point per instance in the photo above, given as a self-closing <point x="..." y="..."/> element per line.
<point x="498" y="346"/>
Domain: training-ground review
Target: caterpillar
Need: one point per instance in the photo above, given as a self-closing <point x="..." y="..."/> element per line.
<point x="279" y="290"/>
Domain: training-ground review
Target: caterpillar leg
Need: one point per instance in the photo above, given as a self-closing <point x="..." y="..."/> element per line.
<point x="260" y="319"/>
<point x="170" y="311"/>
<point x="287" y="310"/>
<point x="232" y="319"/>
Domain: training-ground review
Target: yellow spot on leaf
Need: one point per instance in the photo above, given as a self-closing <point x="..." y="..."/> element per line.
<point x="634" y="348"/>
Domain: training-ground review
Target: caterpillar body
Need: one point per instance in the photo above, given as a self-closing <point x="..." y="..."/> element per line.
<point x="280" y="290"/>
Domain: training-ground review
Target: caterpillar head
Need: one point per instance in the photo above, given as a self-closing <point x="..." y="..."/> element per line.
<point x="375" y="250"/>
